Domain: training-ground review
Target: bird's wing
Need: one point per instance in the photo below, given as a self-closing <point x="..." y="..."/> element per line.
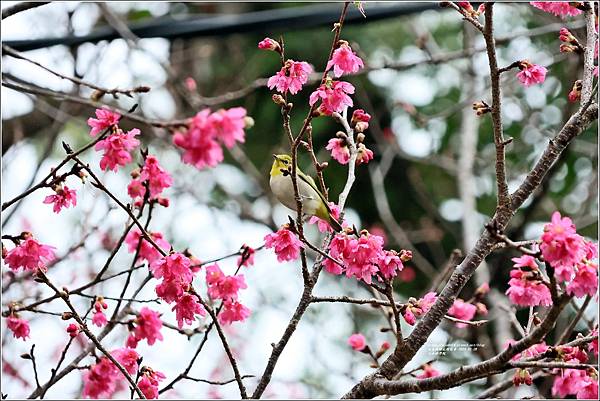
<point x="309" y="180"/>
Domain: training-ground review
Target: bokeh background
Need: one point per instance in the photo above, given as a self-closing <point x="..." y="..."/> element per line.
<point x="418" y="191"/>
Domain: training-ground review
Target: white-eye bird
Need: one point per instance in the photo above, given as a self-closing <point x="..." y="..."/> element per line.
<point x="313" y="201"/>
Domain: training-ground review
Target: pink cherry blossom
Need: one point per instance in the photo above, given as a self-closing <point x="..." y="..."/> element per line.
<point x="344" y="61"/>
<point x="390" y="264"/>
<point x="158" y="178"/>
<point x="186" y="308"/>
<point x="105" y="119"/>
<point x="269" y="44"/>
<point x="190" y="84"/>
<point x="117" y="148"/>
<point x="567" y="382"/>
<point x="201" y="148"/>
<point x="233" y="311"/>
<point x="428" y="371"/>
<point x="285" y="244"/>
<point x="323" y="225"/>
<point x="558" y="8"/>
<point x="339" y="150"/>
<point x="531" y="73"/>
<point x="99" y="319"/>
<point x="147" y="326"/>
<point x="73" y="330"/>
<point x="19" y="327"/>
<point x="364" y="154"/>
<point x="149" y="383"/>
<point x="357" y="342"/>
<point x="29" y="255"/>
<point x="333" y="96"/>
<point x="229" y="125"/>
<point x="561" y="245"/>
<point x="100" y="381"/>
<point x="62" y="198"/>
<point x="588" y="388"/>
<point x="291" y="77"/>
<point x="128" y="358"/>
<point x="146" y="249"/>
<point x="462" y="310"/>
<point x="360" y="120"/>
<point x="221" y="286"/>
<point x="173" y="266"/>
<point x="416" y="308"/>
<point x="362" y="255"/>
<point x="585" y="281"/>
<point x="526" y="289"/>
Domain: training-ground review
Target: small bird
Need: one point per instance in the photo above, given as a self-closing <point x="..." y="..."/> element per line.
<point x="313" y="201"/>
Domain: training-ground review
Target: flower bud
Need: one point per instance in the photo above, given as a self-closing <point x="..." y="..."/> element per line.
<point x="269" y="44"/>
<point x="341" y="135"/>
<point x="66" y="315"/>
<point x="278" y="100"/>
<point x="248" y="122"/>
<point x="361" y="126"/>
<point x="575" y="93"/>
<point x="322" y="166"/>
<point x="481" y="108"/>
<point x="164" y="202"/>
<point x="135" y="173"/>
<point x="25" y="356"/>
<point x="405" y="256"/>
<point x="360" y="138"/>
<point x="566" y="48"/>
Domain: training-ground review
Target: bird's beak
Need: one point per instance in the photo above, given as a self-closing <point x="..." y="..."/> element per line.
<point x="275" y="156"/>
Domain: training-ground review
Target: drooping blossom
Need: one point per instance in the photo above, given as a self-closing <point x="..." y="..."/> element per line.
<point x="285" y="244"/>
<point x="522" y="376"/>
<point x="468" y="8"/>
<point x="416" y="308"/>
<point x="462" y="310"/>
<point x="585" y="281"/>
<point x="558" y="8"/>
<point x="186" y="309"/>
<point x="360" y="120"/>
<point x="339" y="150"/>
<point x="29" y="255"/>
<point x="291" y="77"/>
<point x="229" y="125"/>
<point x="269" y="44"/>
<point x="344" y="61"/>
<point x="99" y="318"/>
<point x="531" y="74"/>
<point x="323" y="225"/>
<point x="128" y="358"/>
<point x="100" y="381"/>
<point x="147" y="251"/>
<point x="233" y="311"/>
<point x="246" y="256"/>
<point x="357" y="342"/>
<point x="157" y="177"/>
<point x="390" y="264"/>
<point x="333" y="96"/>
<point x="149" y="382"/>
<point x="364" y="154"/>
<point x="175" y="270"/>
<point x="147" y="326"/>
<point x="62" y="198"/>
<point x="568" y="382"/>
<point x="73" y="330"/>
<point x="221" y="286"/>
<point x="561" y="245"/>
<point x="18" y="326"/>
<point x="526" y="287"/>
<point x="105" y="119"/>
<point x="201" y="147"/>
<point x="117" y="148"/>
<point x="428" y="371"/>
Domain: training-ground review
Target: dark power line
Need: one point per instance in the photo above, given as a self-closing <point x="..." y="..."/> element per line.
<point x="258" y="22"/>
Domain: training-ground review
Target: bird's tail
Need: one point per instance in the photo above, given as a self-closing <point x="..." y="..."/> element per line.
<point x="333" y="223"/>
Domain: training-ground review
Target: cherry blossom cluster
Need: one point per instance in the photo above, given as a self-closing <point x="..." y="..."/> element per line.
<point x="362" y="256"/>
<point x="224" y="287"/>
<point x="103" y="379"/>
<point x="571" y="259"/>
<point x="207" y="131"/>
<point x="153" y="176"/>
<point x="331" y="96"/>
<point x="558" y="8"/>
<point x="582" y="383"/>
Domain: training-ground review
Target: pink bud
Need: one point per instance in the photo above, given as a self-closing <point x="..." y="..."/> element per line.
<point x="269" y="44"/>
